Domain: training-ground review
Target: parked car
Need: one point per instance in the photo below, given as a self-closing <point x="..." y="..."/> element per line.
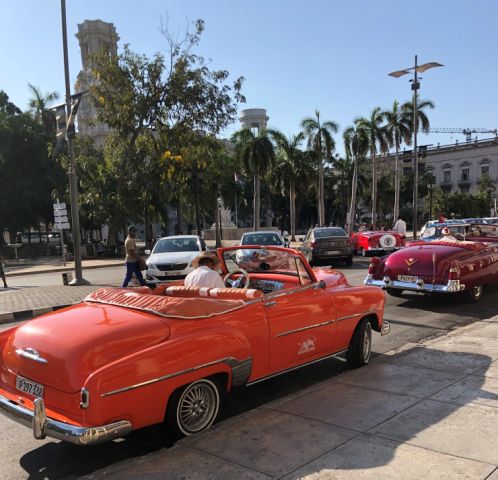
<point x="327" y="243"/>
<point x="127" y="358"/>
<point x="263" y="238"/>
<point x="491" y="220"/>
<point x="435" y="222"/>
<point x="377" y="242"/>
<point x="437" y="267"/>
<point x="171" y="258"/>
<point x="483" y="232"/>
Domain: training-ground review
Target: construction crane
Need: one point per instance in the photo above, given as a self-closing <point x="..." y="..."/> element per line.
<point x="466" y="131"/>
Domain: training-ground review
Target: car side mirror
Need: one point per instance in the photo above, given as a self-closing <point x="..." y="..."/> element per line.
<point x="320" y="285"/>
<point x="147" y="252"/>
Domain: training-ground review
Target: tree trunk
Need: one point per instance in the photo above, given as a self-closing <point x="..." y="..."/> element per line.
<point x="257" y="201"/>
<point x="354" y="186"/>
<point x="217" y="224"/>
<point x="396" y="182"/>
<point x="374" y="188"/>
<point x="292" y="211"/>
<point x="195" y="175"/>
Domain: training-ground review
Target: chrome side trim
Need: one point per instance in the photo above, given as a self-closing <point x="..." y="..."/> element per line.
<point x="361" y="314"/>
<point x="43" y="426"/>
<point x="316" y="325"/>
<point x="287" y="370"/>
<point x="32" y="354"/>
<point x="230" y="361"/>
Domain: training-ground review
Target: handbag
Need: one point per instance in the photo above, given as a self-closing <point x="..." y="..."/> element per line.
<point x="142" y="265"/>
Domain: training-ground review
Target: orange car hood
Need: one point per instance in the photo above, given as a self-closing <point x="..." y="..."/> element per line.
<point x="78" y="340"/>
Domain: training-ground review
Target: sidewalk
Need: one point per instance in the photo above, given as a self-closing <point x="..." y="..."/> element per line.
<point x="30" y="302"/>
<point x="426" y="411"/>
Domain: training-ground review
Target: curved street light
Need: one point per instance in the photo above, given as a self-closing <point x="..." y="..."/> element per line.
<point x="416" y="69"/>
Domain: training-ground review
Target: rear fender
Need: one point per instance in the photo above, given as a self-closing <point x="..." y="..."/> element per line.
<point x="4" y="337"/>
<point x="137" y="387"/>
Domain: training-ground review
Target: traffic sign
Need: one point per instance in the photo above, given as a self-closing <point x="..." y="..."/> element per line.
<point x="61" y="226"/>
<point x="60" y="213"/>
<point x="59" y="206"/>
<point x="61" y="219"/>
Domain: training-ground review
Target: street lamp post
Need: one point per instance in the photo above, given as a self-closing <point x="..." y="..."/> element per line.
<point x="415" y="87"/>
<point x="73" y="180"/>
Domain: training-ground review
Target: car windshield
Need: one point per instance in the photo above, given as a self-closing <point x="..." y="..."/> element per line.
<point x="166" y="245"/>
<point x="261" y="260"/>
<point x="434" y="231"/>
<point x="329" y="232"/>
<point x="261" y="239"/>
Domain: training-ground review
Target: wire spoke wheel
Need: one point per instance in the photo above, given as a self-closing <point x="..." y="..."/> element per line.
<point x="197" y="407"/>
<point x="367" y="342"/>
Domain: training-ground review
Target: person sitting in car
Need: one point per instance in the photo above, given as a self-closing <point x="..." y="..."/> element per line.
<point x="447" y="236"/>
<point x="205" y="273"/>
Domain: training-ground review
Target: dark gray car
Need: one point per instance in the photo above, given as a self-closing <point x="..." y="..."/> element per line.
<point x="327" y="243"/>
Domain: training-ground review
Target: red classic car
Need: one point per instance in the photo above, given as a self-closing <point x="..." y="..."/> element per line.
<point x="437" y="267"/>
<point x="126" y="358"/>
<point x="377" y="242"/>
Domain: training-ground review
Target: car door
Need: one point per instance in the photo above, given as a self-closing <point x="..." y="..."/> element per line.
<point x="302" y="325"/>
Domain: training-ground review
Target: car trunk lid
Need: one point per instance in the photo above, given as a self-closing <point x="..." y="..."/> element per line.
<point x="62" y="348"/>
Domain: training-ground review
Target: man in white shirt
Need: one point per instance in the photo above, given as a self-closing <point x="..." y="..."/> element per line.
<point x="400" y="227"/>
<point x="205" y="274"/>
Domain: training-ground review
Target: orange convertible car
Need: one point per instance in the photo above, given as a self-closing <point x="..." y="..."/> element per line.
<point x="126" y="358"/>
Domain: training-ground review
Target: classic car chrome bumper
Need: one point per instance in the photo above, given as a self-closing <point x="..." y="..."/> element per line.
<point x="46" y="427"/>
<point x="419" y="286"/>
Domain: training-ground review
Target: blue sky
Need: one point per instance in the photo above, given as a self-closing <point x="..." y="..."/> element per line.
<point x="296" y="56"/>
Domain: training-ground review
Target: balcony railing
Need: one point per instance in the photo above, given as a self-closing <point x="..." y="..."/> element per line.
<point x="464" y="181"/>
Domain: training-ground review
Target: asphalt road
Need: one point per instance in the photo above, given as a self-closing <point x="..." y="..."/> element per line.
<point x="412" y="318"/>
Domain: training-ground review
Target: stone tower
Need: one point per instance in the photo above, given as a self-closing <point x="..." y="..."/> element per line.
<point x="95" y="37"/>
<point x="254" y="118"/>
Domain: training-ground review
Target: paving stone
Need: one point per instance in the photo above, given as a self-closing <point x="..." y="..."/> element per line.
<point x="347" y="406"/>
<point x="368" y="457"/>
<point x="178" y="463"/>
<point x="272" y="442"/>
<point x="490" y="370"/>
<point x="464" y="431"/>
<point x="474" y="389"/>
<point x="389" y="377"/>
<point x="481" y="330"/>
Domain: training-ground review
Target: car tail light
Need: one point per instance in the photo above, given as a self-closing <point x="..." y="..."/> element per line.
<point x="372" y="241"/>
<point x="454" y="273"/>
<point x="374" y="263"/>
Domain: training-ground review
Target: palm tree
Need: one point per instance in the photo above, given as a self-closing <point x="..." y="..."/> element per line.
<point x="398" y="129"/>
<point x="39" y="107"/>
<point x="290" y="170"/>
<point x="376" y="136"/>
<point x="256" y="153"/>
<point x="321" y="141"/>
<point x="423" y="123"/>
<point x="356" y="146"/>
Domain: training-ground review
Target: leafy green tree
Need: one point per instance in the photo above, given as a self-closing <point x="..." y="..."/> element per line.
<point x="39" y="106"/>
<point x="321" y="141"/>
<point x="398" y="129"/>
<point x="356" y="147"/>
<point x="256" y="154"/>
<point x="377" y="141"/>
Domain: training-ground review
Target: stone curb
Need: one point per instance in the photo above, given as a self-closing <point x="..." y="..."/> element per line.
<point x="28" y="314"/>
<point x="61" y="269"/>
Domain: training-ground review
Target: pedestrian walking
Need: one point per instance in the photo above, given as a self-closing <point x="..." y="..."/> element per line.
<point x="2" y="273"/>
<point x="132" y="261"/>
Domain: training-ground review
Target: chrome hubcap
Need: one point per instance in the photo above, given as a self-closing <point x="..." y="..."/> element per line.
<point x="477" y="291"/>
<point x="367" y="341"/>
<point x="198" y="407"/>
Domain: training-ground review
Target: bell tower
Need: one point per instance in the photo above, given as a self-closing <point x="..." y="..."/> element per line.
<point x="95" y="37"/>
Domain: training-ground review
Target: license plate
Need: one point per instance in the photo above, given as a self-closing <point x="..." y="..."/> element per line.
<point x="332" y="252"/>
<point x="28" y="386"/>
<point x="407" y="278"/>
<point x="173" y="273"/>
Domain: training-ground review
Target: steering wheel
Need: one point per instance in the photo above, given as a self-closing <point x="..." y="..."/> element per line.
<point x="243" y="279"/>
